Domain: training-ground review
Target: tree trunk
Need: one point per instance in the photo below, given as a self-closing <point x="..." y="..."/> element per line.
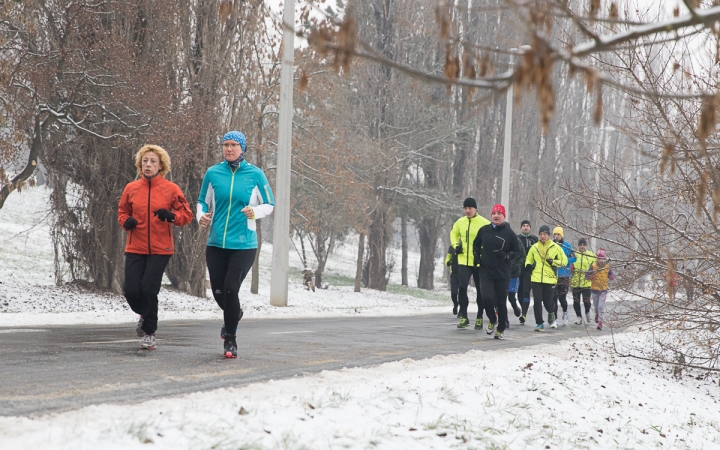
<point x="429" y="232"/>
<point x="360" y="257"/>
<point x="379" y="237"/>
<point x="404" y="250"/>
<point x="256" y="264"/>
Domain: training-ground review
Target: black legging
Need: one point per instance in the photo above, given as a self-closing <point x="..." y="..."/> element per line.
<point x="494" y="293"/>
<point x="524" y="291"/>
<point x="561" y="291"/>
<point x="543" y="295"/>
<point x="228" y="269"/>
<point x="464" y="274"/>
<point x="454" y="286"/>
<point x="585" y="292"/>
<point x="143" y="277"/>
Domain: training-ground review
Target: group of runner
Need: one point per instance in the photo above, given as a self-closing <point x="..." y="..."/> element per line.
<point x="503" y="264"/>
<point x="234" y="194"/>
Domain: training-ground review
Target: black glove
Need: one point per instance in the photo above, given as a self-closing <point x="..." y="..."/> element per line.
<point x="458" y="250"/>
<point x="449" y="263"/>
<point x="165" y="215"/>
<point x="130" y="223"/>
<point x="504" y="255"/>
<point x="550" y="261"/>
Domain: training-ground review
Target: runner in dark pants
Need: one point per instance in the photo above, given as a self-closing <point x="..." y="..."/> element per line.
<point x="462" y="236"/>
<point x="451" y="261"/>
<point x="147" y="211"/>
<point x="235" y="193"/>
<point x="527" y="240"/>
<point x="496" y="245"/>
<point x="547" y="256"/>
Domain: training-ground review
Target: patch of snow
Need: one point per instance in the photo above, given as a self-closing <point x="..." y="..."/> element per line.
<point x="572" y="394"/>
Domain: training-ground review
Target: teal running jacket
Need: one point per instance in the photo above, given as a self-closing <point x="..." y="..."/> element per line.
<point x="225" y="193"/>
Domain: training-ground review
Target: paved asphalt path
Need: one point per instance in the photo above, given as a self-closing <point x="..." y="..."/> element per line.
<point x="58" y="368"/>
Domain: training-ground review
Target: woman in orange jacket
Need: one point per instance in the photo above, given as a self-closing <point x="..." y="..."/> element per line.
<point x="149" y="206"/>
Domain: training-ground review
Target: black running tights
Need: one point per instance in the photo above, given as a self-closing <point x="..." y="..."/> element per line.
<point x="143" y="277"/>
<point x="228" y="269"/>
<point x="543" y="295"/>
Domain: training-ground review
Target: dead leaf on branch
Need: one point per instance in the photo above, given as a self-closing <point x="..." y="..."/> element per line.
<point x="613" y="15"/>
<point x="594" y="8"/>
<point x="667" y="158"/>
<point x="226" y="8"/>
<point x="706" y="124"/>
<point x="597" y="116"/>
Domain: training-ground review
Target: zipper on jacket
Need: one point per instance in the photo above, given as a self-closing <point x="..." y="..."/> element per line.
<point x="227" y="219"/>
<point x="467" y="241"/>
<point x="149" y="212"/>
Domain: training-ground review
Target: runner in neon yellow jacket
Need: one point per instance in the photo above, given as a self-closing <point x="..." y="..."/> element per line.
<point x="462" y="237"/>
<point x="581" y="284"/>
<point x="547" y="256"/>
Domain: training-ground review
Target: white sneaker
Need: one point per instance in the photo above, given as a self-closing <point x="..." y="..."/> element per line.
<point x="148" y="342"/>
<point x="579" y="321"/>
<point x="566" y="320"/>
<point x="554" y="324"/>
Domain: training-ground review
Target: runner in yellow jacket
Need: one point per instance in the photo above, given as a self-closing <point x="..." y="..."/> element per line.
<point x="547" y="256"/>
<point x="462" y="237"/>
<point x="580" y="284"/>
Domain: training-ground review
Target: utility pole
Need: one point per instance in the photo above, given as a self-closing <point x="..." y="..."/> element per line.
<point x="505" y="193"/>
<point x="281" y="224"/>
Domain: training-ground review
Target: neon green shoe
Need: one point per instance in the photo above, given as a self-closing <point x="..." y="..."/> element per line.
<point x="499" y="335"/>
<point x="490" y="328"/>
<point x="464" y="323"/>
<point x="478" y="324"/>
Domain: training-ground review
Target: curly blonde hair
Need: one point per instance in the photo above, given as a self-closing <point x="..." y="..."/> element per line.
<point x="162" y="154"/>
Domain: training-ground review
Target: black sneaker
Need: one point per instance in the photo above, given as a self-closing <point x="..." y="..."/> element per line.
<point x="516" y="310"/>
<point x="230" y="347"/>
<point x="222" y="332"/>
<point x="455" y="310"/>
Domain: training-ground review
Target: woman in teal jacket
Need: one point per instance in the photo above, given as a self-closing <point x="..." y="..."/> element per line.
<point x="233" y="196"/>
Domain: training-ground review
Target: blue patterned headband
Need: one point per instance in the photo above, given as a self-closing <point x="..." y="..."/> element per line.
<point x="237" y="137"/>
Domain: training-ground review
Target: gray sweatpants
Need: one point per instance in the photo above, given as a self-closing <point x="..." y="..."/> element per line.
<point x="598" y="299"/>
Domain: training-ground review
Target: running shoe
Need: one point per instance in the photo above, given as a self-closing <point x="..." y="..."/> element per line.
<point x="554" y="324"/>
<point x="230" y="347"/>
<point x="148" y="342"/>
<point x="455" y="311"/>
<point x="522" y="319"/>
<point x="516" y="310"/>
<point x="551" y="318"/>
<point x="478" y="324"/>
<point x="539" y="327"/>
<point x="490" y="328"/>
<point x="498" y="335"/>
<point x="566" y="319"/>
<point x="599" y="327"/>
<point x="138" y="329"/>
<point x="464" y="323"/>
<point x="579" y="321"/>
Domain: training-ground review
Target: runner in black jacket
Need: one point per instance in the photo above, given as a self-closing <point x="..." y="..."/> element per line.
<point x="527" y="240"/>
<point x="496" y="245"/>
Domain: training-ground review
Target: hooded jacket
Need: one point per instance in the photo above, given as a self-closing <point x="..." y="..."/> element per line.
<point x="496" y="246"/>
<point x="463" y="233"/>
<point x="601" y="272"/>
<point x="140" y="199"/>
<point x="527" y="242"/>
<point x="545" y="272"/>
<point x="225" y="193"/>
<point x="567" y="249"/>
<point x="451" y="260"/>
<point x="519" y="261"/>
<point x="583" y="261"/>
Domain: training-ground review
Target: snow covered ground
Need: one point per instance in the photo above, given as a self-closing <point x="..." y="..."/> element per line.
<point x="568" y="396"/>
<point x="573" y="394"/>
<point x="28" y="295"/>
